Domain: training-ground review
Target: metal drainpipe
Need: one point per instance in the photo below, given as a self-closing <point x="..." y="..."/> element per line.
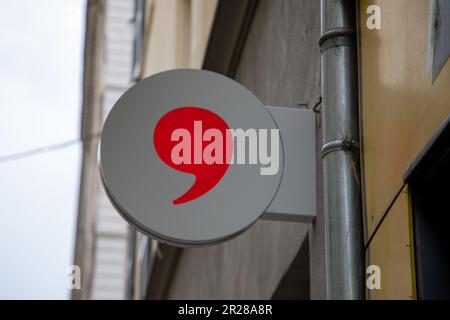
<point x="343" y="217"/>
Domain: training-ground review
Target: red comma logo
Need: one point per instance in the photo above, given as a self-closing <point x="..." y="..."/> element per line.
<point x="196" y="141"/>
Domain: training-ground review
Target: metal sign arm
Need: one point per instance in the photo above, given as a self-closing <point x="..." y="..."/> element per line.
<point x="295" y="199"/>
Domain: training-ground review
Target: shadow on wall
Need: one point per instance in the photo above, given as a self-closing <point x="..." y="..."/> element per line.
<point x="295" y="284"/>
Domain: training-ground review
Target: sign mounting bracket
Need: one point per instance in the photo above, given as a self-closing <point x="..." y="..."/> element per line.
<point x="295" y="199"/>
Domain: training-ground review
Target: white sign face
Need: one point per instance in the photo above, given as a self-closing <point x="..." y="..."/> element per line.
<point x="190" y="157"/>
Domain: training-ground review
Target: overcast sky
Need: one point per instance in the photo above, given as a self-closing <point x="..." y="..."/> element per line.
<point x="40" y="101"/>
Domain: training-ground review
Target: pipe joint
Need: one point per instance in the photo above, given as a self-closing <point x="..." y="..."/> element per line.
<point x="337" y="37"/>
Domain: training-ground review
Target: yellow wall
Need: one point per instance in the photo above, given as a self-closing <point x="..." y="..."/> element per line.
<point x="400" y="109"/>
<point x="176" y="34"/>
<point x="390" y="249"/>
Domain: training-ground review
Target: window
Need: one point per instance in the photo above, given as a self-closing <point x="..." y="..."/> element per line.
<point x="429" y="180"/>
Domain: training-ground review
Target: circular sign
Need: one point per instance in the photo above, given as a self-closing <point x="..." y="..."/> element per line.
<point x="190" y="157"/>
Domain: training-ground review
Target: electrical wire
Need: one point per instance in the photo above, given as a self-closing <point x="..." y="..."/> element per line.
<point x="48" y="148"/>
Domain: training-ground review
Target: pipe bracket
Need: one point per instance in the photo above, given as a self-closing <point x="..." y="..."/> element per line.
<point x="339" y="145"/>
